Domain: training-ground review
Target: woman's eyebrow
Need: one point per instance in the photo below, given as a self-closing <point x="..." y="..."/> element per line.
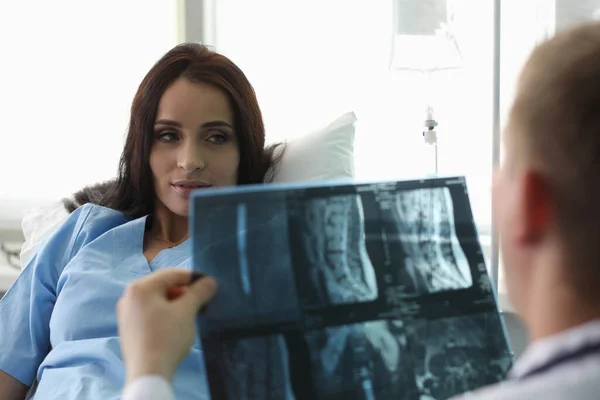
<point x="210" y="124"/>
<point x="214" y="124"/>
<point x="167" y="122"/>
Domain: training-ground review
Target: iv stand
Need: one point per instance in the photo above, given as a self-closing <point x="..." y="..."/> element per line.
<point x="430" y="134"/>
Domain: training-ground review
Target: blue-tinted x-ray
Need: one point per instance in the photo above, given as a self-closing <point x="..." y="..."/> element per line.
<point x="242" y="249"/>
<point x="453" y="355"/>
<point x="246" y="246"/>
<point x="364" y="360"/>
<point x="421" y="225"/>
<point x="332" y="241"/>
<point x="249" y="368"/>
<point x="346" y="291"/>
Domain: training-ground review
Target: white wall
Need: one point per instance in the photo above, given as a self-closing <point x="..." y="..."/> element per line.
<point x="68" y="74"/>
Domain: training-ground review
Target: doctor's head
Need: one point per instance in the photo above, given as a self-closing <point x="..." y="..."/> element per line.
<point x="195" y="122"/>
<point x="547" y="192"/>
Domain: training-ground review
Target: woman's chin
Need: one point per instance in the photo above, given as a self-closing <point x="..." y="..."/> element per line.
<point x="180" y="208"/>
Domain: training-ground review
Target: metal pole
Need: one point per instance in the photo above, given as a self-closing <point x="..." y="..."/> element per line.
<point x="496" y="136"/>
<point x="436" y="158"/>
<point x="199" y="21"/>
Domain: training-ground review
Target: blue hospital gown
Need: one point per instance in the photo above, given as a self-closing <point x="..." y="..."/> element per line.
<point x="58" y="321"/>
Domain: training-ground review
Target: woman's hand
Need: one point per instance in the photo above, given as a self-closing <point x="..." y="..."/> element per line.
<point x="156" y="317"/>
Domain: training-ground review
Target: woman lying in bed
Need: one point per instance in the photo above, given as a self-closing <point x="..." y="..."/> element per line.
<point x="195" y="123"/>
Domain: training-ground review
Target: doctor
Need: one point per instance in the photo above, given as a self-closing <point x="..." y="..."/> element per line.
<point x="546" y="199"/>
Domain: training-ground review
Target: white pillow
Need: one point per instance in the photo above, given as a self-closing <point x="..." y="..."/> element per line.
<point x="322" y="155"/>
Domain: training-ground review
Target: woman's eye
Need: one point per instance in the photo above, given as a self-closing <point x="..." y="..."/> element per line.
<point x="218" y="138"/>
<point x="168" y="136"/>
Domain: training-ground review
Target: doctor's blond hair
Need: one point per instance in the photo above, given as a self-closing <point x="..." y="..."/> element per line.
<point x="555" y="124"/>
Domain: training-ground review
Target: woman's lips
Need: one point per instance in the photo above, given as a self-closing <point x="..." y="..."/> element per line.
<point x="185" y="190"/>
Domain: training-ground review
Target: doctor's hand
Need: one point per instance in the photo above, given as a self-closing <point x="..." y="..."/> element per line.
<point x="156" y="317"/>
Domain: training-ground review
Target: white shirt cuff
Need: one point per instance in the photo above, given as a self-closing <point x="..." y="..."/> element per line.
<point x="149" y="387"/>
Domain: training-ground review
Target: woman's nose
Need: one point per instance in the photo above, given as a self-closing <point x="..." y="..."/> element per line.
<point x="190" y="159"/>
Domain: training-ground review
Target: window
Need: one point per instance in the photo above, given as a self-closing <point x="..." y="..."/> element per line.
<point x="310" y="61"/>
<point x="68" y="75"/>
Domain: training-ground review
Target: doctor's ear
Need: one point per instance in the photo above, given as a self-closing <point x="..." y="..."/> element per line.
<point x="535" y="207"/>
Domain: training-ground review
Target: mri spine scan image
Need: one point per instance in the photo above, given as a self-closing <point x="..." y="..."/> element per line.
<point x="333" y="238"/>
<point x="421" y="223"/>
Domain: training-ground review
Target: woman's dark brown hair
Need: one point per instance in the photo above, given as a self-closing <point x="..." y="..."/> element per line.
<point x="133" y="191"/>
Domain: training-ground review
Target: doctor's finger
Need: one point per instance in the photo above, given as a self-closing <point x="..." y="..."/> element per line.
<point x="199" y="293"/>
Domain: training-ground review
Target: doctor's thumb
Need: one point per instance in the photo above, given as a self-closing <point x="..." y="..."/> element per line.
<point x="199" y="293"/>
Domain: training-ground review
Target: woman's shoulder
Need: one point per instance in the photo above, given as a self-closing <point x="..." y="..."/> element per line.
<point x="96" y="213"/>
<point x="83" y="226"/>
<point x="94" y="220"/>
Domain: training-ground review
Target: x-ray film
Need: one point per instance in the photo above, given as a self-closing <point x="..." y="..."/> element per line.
<point x="348" y="291"/>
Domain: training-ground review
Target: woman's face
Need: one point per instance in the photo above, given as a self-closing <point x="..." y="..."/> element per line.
<point x="194" y="144"/>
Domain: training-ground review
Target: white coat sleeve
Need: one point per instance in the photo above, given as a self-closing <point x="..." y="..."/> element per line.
<point x="149" y="387"/>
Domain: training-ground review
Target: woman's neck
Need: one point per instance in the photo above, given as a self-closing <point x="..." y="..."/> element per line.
<point x="168" y="226"/>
